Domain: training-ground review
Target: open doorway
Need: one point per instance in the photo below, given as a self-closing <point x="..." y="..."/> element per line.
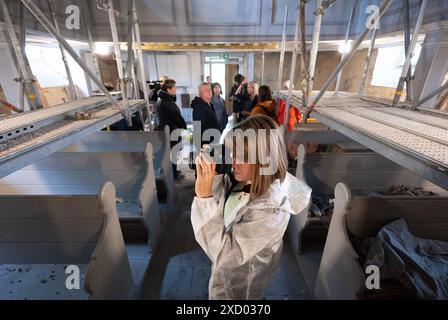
<point x="222" y="68"/>
<point x="216" y="69"/>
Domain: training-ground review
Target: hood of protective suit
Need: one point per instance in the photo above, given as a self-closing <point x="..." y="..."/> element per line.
<point x="292" y="196"/>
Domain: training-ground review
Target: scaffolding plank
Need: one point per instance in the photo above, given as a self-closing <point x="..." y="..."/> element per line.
<point x="425" y="156"/>
<point x="24" y="150"/>
<point x="412" y="126"/>
<point x="19" y="124"/>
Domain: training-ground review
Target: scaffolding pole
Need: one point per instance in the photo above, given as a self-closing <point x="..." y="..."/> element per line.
<point x="347" y="34"/>
<point x="117" y="50"/>
<point x="130" y="53"/>
<point x="367" y="62"/>
<point x="140" y="63"/>
<point x="22" y="47"/>
<point x="282" y="53"/>
<point x="410" y="53"/>
<point x="43" y="20"/>
<point x="385" y="5"/>
<point x="262" y="68"/>
<point x="293" y="67"/>
<point x="90" y="37"/>
<point x="130" y="80"/>
<point x="27" y="80"/>
<point x="431" y="95"/>
<point x="71" y="84"/>
<point x="315" y="42"/>
<point x="303" y="56"/>
<point x="407" y="39"/>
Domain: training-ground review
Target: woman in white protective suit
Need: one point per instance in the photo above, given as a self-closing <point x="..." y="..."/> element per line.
<point x="239" y="219"/>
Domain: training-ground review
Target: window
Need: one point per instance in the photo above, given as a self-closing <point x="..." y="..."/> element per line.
<point x="389" y="64"/>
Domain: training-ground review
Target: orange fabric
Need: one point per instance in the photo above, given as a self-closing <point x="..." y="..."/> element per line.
<point x="294" y="115"/>
<point x="267" y="108"/>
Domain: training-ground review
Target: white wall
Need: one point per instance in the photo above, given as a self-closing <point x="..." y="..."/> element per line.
<point x="7" y="75"/>
<point x="184" y="67"/>
<point x="48" y="67"/>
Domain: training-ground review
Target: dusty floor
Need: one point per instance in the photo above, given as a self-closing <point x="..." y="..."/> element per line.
<point x="179" y="269"/>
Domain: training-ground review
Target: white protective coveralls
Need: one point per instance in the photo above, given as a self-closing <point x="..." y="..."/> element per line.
<point x="245" y="256"/>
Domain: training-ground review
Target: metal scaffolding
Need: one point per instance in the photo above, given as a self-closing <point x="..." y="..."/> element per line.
<point x="384" y="6"/>
<point x="282" y="53"/>
<point x="85" y="10"/>
<point x="367" y="62"/>
<point x="262" y="67"/>
<point x="113" y="28"/>
<point x="28" y="85"/>
<point x="43" y="20"/>
<point x="410" y="52"/>
<point x="320" y="11"/>
<point x="293" y="66"/>
<point x="304" y="83"/>
<point x="431" y="95"/>
<point x="407" y="39"/>
<point x="347" y="35"/>
<point x="71" y="84"/>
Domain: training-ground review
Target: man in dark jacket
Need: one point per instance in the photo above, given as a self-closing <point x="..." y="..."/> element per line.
<point x="204" y="111"/>
<point x="170" y="114"/>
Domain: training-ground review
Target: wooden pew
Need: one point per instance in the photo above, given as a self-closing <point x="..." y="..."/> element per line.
<point x="133" y="141"/>
<point x="81" y="173"/>
<point x="41" y="235"/>
<point x="340" y="274"/>
<point x="367" y="171"/>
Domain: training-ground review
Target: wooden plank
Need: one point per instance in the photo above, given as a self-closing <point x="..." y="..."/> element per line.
<point x="47" y="190"/>
<point x="350" y="161"/>
<point x="131" y="161"/>
<point x="56" y="95"/>
<point x="123" y="141"/>
<point x="40" y="252"/>
<point x="413" y="209"/>
<point x="123" y="190"/>
<point x="54" y="207"/>
<point x="431" y="230"/>
<point x="426" y="216"/>
<point x="324" y="181"/>
<point x="322" y="137"/>
<point x="50" y="230"/>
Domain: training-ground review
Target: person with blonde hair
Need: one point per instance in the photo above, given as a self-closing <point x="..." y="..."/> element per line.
<point x="250" y="100"/>
<point x="239" y="218"/>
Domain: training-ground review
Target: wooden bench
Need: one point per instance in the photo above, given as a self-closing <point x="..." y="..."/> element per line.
<point x="42" y="235"/>
<point x="340" y="274"/>
<point x="81" y="173"/>
<point x="133" y="141"/>
<point x="367" y="171"/>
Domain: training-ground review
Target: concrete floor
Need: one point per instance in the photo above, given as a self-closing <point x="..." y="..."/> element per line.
<point x="179" y="269"/>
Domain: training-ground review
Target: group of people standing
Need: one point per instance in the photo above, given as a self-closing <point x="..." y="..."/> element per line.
<point x="209" y="107"/>
<point x="249" y="99"/>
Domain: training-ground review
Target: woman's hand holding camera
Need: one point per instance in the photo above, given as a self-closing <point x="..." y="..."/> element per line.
<point x="205" y="170"/>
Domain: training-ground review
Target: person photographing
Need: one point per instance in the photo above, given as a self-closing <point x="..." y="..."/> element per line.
<point x="239" y="218"/>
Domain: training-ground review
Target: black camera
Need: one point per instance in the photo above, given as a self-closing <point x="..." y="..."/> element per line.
<point x="154" y="85"/>
<point x="217" y="153"/>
